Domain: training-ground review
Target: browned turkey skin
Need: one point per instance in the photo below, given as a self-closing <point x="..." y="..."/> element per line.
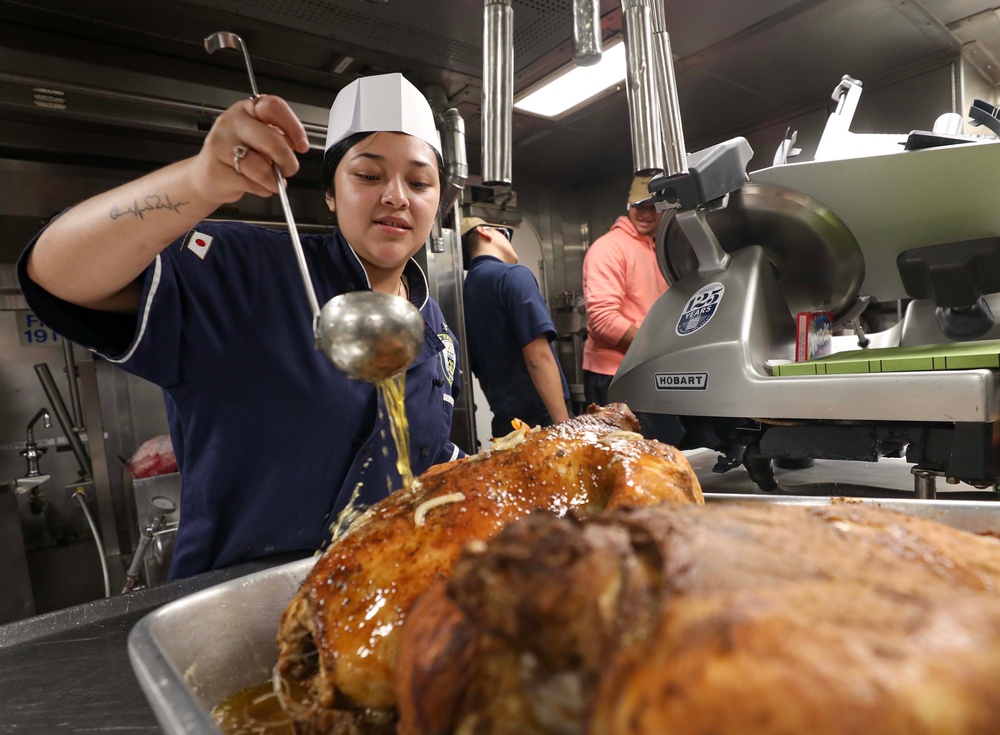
<point x="715" y="619"/>
<point x="339" y="637"/>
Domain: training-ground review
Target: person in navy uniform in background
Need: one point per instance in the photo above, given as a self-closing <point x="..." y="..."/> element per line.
<point x="509" y="332"/>
<point x="271" y="439"/>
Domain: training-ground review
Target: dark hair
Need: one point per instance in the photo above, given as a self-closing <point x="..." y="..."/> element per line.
<point x="336" y="152"/>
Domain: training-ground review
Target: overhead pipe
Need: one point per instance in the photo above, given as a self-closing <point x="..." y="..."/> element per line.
<point x="675" y="154"/>
<point x="456" y="172"/>
<point x="451" y="126"/>
<point x="498" y="91"/>
<point x="640" y="84"/>
<point x="456" y="162"/>
<point x="587" y="49"/>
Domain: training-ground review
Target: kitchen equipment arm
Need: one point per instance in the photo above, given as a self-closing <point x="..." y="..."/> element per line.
<point x="63" y="417"/>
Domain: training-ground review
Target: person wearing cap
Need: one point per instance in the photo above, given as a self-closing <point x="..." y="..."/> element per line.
<point x="271" y="439"/>
<point x="621" y="280"/>
<point x="509" y="332"/>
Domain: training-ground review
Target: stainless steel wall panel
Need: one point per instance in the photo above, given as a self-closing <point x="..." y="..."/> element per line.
<point x="133" y="411"/>
<point x="606" y="202"/>
<point x="560" y="219"/>
<point x="121" y="411"/>
<point x="17" y="601"/>
<point x="445" y="277"/>
<point x="112" y="517"/>
<point x="48" y="520"/>
<point x="973" y="85"/>
<point x="910" y="103"/>
<point x="21" y="396"/>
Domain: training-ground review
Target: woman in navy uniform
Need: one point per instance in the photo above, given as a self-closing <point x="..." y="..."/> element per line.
<point x="270" y="438"/>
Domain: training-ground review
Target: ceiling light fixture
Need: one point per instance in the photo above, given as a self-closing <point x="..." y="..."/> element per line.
<point x="571" y="88"/>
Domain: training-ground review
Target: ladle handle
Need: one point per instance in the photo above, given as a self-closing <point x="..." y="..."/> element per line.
<point x="225" y="39"/>
<point x="300" y="257"/>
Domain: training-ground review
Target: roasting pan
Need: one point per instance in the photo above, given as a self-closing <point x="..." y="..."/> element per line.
<point x="194" y="652"/>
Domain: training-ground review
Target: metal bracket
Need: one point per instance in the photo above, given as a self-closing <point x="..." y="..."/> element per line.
<point x="711" y="257"/>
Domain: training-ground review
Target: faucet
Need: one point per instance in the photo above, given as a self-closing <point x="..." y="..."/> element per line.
<point x="32" y="452"/>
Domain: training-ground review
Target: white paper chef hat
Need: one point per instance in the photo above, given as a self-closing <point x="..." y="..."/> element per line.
<point x="386" y="102"/>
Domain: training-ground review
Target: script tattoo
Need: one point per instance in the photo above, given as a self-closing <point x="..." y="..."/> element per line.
<point x="149" y="204"/>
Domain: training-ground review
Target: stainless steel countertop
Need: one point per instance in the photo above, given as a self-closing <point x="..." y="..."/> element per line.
<point x="68" y="671"/>
<point x="888" y="478"/>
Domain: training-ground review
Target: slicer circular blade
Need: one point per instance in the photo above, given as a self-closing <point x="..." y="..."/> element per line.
<point x="819" y="264"/>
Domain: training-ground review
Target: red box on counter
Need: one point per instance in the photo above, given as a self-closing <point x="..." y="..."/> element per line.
<point x="813" y="335"/>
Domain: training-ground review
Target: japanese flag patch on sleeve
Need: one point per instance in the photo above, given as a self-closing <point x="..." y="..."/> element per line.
<point x="199" y="243"/>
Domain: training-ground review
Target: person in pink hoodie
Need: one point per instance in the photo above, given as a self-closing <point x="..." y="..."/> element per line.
<point x="621" y="280"/>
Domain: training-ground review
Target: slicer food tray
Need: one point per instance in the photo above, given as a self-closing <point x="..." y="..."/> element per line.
<point x="951" y="356"/>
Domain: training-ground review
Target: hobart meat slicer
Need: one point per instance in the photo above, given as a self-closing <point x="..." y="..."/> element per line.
<point x="872" y="219"/>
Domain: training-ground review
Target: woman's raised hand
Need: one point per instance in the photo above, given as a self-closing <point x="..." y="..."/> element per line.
<point x="245" y="140"/>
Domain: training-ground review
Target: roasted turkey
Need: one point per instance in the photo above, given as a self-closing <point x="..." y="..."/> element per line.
<point x="718" y="619"/>
<point x="339" y="637"/>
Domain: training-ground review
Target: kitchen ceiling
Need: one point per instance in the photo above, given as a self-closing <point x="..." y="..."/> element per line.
<point x="739" y="64"/>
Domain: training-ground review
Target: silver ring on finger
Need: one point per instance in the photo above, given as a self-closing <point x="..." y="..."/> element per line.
<point x="239" y="153"/>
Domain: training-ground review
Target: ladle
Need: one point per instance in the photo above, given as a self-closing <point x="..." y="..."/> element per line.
<point x="369" y="336"/>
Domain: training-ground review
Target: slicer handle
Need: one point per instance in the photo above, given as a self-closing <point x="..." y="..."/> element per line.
<point x="955" y="276"/>
<point x="962" y="325"/>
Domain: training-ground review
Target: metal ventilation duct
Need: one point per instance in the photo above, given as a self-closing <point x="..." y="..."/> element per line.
<point x="587" y="49"/>
<point x="666" y="93"/>
<point x="498" y="91"/>
<point x="640" y="84"/>
<point x="456" y="163"/>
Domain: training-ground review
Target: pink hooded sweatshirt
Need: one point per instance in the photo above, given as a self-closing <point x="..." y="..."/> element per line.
<point x="621" y="280"/>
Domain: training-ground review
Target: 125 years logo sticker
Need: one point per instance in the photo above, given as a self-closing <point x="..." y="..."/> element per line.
<point x="700" y="308"/>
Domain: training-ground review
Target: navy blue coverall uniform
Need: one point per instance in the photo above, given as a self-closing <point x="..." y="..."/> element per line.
<point x="271" y="439"/>
<point x="504" y="311"/>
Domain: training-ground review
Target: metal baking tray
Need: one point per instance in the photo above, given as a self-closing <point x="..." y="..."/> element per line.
<point x="194" y="652"/>
<point x="975" y="516"/>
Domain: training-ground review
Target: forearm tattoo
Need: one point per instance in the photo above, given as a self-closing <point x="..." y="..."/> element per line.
<point x="148" y="204"/>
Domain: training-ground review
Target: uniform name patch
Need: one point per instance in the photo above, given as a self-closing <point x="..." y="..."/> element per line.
<point x="700" y="308"/>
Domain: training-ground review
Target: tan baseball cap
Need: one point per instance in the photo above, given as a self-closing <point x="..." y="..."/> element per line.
<point x="639" y="193"/>
<point x="469" y="222"/>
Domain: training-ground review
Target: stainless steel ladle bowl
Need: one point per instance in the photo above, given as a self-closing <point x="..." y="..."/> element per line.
<point x="369" y="336"/>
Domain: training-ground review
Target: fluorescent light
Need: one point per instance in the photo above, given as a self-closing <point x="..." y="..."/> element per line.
<point x="572" y="88"/>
